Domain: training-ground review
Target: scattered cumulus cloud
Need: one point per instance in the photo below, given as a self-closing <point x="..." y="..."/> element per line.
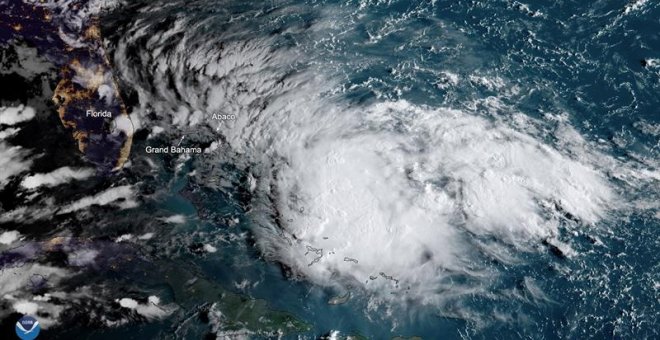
<point x="82" y="257"/>
<point x="14" y="160"/>
<point x="124" y="238"/>
<point x="57" y="177"/>
<point x="113" y="195"/>
<point x="146" y="236"/>
<point x="9" y="237"/>
<point x="25" y="307"/>
<point x="152" y="309"/>
<point x="175" y="219"/>
<point x="8" y="133"/>
<point x="15" y="115"/>
<point x="210" y="249"/>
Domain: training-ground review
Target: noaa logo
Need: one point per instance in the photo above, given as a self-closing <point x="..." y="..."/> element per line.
<point x="27" y="328"/>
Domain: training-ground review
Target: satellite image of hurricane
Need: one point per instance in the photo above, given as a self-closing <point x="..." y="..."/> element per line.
<point x="329" y="169"/>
